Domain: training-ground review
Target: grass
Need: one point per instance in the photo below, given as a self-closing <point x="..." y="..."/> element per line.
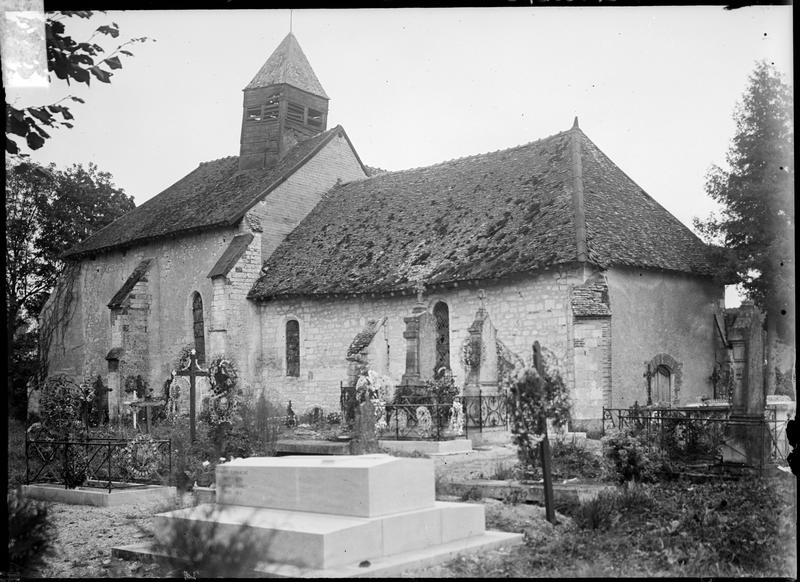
<point x="722" y="529"/>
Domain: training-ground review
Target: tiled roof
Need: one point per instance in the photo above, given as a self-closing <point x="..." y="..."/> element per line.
<point x="480" y="217"/>
<point x="288" y="64"/>
<point x="215" y="194"/>
<point x="625" y="226"/>
<point x="590" y="299"/>
<point x="129" y="284"/>
<point x="233" y="253"/>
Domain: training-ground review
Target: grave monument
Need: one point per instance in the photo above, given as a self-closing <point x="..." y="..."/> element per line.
<point x="336" y="516"/>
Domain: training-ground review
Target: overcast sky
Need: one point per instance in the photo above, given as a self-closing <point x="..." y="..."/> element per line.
<point x="653" y="87"/>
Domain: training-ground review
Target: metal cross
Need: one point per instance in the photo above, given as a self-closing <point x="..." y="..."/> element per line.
<point x="193" y="371"/>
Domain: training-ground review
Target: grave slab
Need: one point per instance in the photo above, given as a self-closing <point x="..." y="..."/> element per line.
<point x="96" y="496"/>
<point x="326" y="515"/>
<point x="362" y="485"/>
<point x="449" y="447"/>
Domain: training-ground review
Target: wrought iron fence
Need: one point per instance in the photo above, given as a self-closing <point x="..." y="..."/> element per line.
<point x="409" y="422"/>
<point x="485" y="411"/>
<point x="700" y="433"/>
<point x="99" y="462"/>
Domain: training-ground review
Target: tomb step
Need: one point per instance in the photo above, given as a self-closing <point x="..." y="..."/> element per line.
<point x="319" y="540"/>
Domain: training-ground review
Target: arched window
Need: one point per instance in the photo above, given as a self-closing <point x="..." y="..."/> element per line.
<point x="198" y="327"/>
<point x="292" y="348"/>
<point x="442" y="315"/>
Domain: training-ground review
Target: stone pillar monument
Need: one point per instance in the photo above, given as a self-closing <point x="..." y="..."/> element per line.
<point x="749" y="440"/>
<point x="420" y="335"/>
<point x="482" y="371"/>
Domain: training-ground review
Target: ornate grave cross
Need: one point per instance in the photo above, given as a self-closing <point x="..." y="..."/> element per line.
<point x="544" y="446"/>
<point x="193" y="371"/>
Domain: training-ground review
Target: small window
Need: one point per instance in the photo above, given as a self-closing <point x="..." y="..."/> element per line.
<point x="292" y="348"/>
<point x="314" y="118"/>
<point x="296" y="113"/>
<point x="198" y="327"/>
<point x="442" y="315"/>
<point x="254" y="114"/>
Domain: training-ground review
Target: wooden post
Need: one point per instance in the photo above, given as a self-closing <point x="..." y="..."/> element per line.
<point x="544" y="446"/>
<point x="193" y="371"/>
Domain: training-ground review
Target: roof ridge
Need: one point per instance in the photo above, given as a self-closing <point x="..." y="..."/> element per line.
<point x="471" y="156"/>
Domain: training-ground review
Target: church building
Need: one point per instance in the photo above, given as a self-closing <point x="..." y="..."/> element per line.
<point x="294" y="256"/>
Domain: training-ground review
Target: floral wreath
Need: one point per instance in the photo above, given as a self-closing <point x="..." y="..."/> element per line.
<point x="141" y="456"/>
<point x="222" y="375"/>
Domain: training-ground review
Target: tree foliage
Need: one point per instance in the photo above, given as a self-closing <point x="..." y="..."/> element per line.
<point x="47" y="212"/>
<point x="68" y="60"/>
<point x="755" y="190"/>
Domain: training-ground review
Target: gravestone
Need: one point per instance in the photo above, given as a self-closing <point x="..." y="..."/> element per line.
<point x="317" y="514"/>
<point x="420" y="336"/>
<point x="364" y="438"/>
<point x="482" y="377"/>
<point x="748" y="439"/>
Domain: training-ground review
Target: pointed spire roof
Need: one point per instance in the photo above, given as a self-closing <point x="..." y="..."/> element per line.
<point x="289" y="65"/>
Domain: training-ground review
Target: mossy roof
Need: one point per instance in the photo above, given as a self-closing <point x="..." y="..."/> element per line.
<point x="216" y="194"/>
<point x="475" y="218"/>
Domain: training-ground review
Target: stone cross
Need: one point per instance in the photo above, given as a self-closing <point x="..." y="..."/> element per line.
<point x="193" y="371"/>
<point x="482" y="297"/>
<point x="419" y="286"/>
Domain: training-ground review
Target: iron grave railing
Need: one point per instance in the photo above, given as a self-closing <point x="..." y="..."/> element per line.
<point x="93" y="462"/>
<point x="699" y="433"/>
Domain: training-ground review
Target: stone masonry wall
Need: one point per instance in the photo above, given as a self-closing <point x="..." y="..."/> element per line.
<point x="534" y="308"/>
<point x="656" y="313"/>
<point x="592" y="345"/>
<point x="289" y="203"/>
<point x="178" y="270"/>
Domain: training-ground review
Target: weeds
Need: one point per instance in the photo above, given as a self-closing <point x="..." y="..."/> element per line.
<point x="206" y="548"/>
<point x="30" y="534"/>
<point x="473" y="493"/>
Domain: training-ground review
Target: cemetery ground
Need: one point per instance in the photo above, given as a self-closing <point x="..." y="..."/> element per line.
<point x="673" y="527"/>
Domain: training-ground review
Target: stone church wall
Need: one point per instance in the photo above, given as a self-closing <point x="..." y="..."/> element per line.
<point x="661" y="316"/>
<point x="177" y="271"/>
<point x="592" y="361"/>
<point x="524" y="310"/>
<point x="290" y="202"/>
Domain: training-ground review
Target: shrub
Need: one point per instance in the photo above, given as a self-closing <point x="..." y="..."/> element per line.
<point x="472" y="493"/>
<point x="533" y="399"/>
<point x="572" y="460"/>
<point x="503" y="471"/>
<point x="208" y="548"/>
<point x="600" y="512"/>
<point x="630" y="457"/>
<point x="30" y="534"/>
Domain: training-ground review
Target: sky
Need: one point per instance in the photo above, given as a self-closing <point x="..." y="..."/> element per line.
<point x="653" y="87"/>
